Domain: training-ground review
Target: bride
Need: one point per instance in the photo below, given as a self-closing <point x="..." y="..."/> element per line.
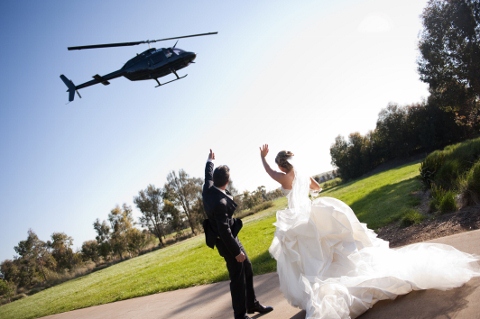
<point x="333" y="266"/>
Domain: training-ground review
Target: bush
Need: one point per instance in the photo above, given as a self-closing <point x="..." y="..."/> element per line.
<point x="332" y="183"/>
<point x="447" y="203"/>
<point x="7" y="290"/>
<point x="430" y="166"/>
<point x="255" y="209"/>
<point x="445" y="168"/>
<point x="470" y="186"/>
<point x="411" y="217"/>
<point x="442" y="200"/>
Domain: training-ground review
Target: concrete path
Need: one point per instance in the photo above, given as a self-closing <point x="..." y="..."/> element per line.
<point x="213" y="301"/>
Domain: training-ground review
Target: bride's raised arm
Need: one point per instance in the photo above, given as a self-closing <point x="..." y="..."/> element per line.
<point x="314" y="185"/>
<point x="280" y="177"/>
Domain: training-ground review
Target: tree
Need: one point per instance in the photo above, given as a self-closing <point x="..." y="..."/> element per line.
<point x="256" y="197"/>
<point x="137" y="240"/>
<point x="11" y="271"/>
<point x="60" y="248"/>
<point x="450" y="56"/>
<point x="176" y="223"/>
<point x="90" y="251"/>
<point x="391" y="129"/>
<point x="150" y="202"/>
<point x="352" y="157"/>
<point x="34" y="259"/>
<point x="338" y="153"/>
<point x="184" y="191"/>
<point x="121" y="222"/>
<point x="103" y="238"/>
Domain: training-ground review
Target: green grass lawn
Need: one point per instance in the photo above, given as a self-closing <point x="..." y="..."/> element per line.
<point x="377" y="200"/>
<point x="382" y="198"/>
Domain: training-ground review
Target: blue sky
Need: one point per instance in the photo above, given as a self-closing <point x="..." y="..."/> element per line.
<point x="293" y="74"/>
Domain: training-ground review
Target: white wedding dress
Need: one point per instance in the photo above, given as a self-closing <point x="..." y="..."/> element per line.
<point x="333" y="266"/>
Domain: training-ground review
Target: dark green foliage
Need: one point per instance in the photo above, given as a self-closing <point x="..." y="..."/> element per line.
<point x="442" y="200"/>
<point x="450" y="57"/>
<point x="401" y="132"/>
<point x="454" y="170"/>
<point x="446" y="168"/>
<point x="430" y="166"/>
<point x="470" y="185"/>
<point x="447" y="203"/>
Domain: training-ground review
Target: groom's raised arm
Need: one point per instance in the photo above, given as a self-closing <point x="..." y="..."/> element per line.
<point x="208" y="175"/>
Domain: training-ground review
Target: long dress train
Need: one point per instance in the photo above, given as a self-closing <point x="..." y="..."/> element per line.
<point x="333" y="266"/>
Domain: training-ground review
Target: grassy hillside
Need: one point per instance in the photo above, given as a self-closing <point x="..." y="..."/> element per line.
<point x="378" y="200"/>
<point x="381" y="198"/>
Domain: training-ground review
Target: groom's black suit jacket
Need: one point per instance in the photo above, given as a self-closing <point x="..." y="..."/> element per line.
<point x="220" y="224"/>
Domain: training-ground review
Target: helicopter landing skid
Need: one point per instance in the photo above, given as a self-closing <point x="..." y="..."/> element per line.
<point x="178" y="78"/>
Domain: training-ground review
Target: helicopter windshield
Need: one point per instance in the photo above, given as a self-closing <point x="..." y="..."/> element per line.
<point x="177" y="51"/>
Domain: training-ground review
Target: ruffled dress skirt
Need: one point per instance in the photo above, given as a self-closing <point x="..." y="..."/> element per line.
<point x="333" y="266"/>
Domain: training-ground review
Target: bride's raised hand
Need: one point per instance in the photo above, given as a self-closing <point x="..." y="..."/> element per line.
<point x="264" y="150"/>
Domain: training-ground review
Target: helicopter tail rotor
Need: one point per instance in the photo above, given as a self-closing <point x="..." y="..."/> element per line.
<point x="71" y="88"/>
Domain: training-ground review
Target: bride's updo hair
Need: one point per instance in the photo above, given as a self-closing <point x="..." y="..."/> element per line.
<point x="282" y="160"/>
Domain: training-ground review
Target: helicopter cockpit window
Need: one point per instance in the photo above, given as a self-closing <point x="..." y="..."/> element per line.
<point x="177" y="51"/>
<point x="168" y="52"/>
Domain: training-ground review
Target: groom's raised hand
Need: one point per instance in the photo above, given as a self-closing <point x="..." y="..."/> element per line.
<point x="211" y="155"/>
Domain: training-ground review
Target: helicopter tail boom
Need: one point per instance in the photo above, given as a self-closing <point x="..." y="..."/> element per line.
<point x="71" y="87"/>
<point x="101" y="79"/>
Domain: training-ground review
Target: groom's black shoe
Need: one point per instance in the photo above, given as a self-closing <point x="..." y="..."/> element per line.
<point x="259" y="308"/>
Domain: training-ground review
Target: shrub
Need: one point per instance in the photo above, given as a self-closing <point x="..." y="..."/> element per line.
<point x="446" y="167"/>
<point x="430" y="166"/>
<point x="442" y="200"/>
<point x="470" y="186"/>
<point x="411" y="217"/>
<point x="447" y="202"/>
<point x="255" y="209"/>
<point x="7" y="290"/>
<point x="332" y="183"/>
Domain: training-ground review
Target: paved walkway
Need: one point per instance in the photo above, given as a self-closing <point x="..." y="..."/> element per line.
<point x="213" y="301"/>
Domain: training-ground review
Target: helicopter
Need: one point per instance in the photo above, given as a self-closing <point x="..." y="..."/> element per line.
<point x="151" y="64"/>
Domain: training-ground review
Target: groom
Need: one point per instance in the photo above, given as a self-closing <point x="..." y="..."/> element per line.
<point x="221" y="230"/>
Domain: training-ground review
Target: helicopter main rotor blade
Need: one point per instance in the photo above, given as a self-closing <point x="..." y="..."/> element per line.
<point x="123" y="44"/>
<point x="184" y="36"/>
<point x="107" y="45"/>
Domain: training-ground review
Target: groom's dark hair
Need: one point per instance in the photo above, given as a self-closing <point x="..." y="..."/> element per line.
<point x="221" y="176"/>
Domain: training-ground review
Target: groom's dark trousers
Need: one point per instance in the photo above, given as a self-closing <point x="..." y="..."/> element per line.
<point x="221" y="230"/>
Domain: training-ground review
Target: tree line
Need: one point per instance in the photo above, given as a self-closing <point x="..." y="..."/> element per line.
<point x="449" y="63"/>
<point x="174" y="210"/>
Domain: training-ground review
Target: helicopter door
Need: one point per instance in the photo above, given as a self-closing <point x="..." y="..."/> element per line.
<point x="157" y="57"/>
